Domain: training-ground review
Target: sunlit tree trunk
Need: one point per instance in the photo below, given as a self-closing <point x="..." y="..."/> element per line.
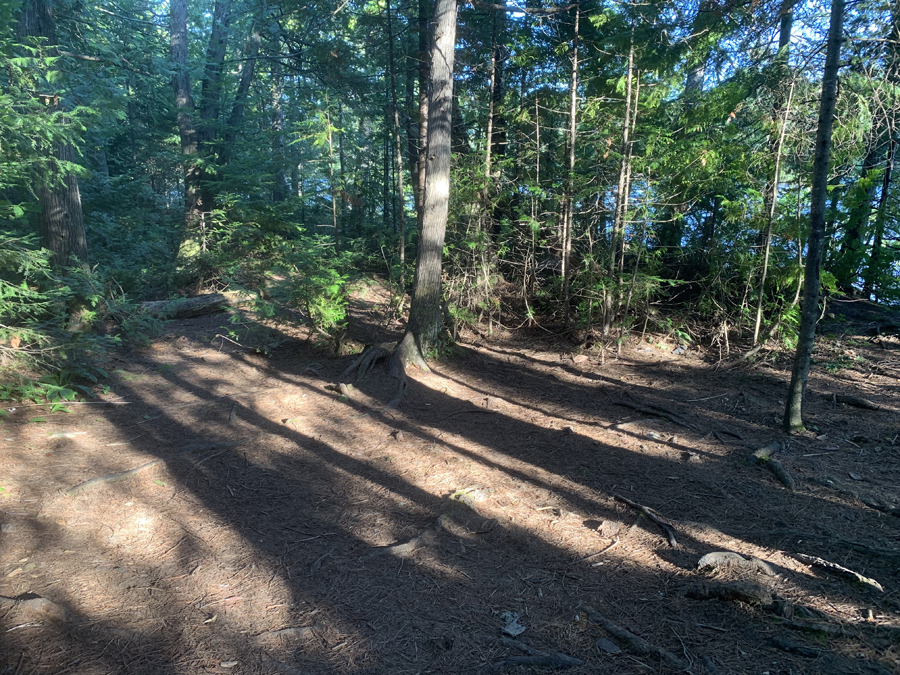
<point x="781" y="114"/>
<point x="568" y="210"/>
<point x="425" y="329"/>
<point x="793" y="415"/>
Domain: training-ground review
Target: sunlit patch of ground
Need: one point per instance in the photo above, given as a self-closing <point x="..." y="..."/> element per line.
<point x="309" y="534"/>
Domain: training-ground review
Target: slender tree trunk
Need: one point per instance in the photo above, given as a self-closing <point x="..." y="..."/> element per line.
<point x="793" y="414"/>
<point x="425" y="329"/>
<point x="873" y="270"/>
<point x="568" y="214"/>
<point x="401" y="209"/>
<point x="335" y="190"/>
<point x="618" y="233"/>
<point x="770" y="213"/>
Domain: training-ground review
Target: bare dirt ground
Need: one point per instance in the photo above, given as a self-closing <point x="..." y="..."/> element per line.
<point x="476" y="529"/>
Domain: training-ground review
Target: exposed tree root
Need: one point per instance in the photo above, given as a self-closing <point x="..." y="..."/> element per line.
<point x="837" y="569"/>
<point x="726" y="559"/>
<point x="635" y="644"/>
<point x="764" y="456"/>
<point x="533" y="659"/>
<point x="366" y="361"/>
<point x="125" y="475"/>
<point x="855" y="401"/>
<point x="657" y="411"/>
<point x="653" y="516"/>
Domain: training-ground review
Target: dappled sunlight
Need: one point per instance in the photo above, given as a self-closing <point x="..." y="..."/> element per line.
<point x="309" y="531"/>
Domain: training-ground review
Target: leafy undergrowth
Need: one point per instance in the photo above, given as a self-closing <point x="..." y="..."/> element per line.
<point x="289" y="531"/>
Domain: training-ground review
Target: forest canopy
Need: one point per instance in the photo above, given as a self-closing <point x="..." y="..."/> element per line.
<point x="606" y="158"/>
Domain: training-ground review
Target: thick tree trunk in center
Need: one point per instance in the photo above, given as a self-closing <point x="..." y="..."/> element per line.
<point x="426" y="327"/>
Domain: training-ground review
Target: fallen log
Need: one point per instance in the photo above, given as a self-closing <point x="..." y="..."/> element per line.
<point x="185" y="308"/>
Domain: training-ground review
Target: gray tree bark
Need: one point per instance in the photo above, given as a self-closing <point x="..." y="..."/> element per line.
<point x="184" y="104"/>
<point x="425" y="330"/>
<point x="61" y="223"/>
<point x="793" y="414"/>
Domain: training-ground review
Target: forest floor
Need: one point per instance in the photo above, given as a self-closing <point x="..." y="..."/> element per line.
<point x="484" y="526"/>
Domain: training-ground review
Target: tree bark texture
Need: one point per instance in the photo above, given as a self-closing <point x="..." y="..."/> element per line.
<point x="793" y="415"/>
<point x="251" y="51"/>
<point x="184" y="104"/>
<point x="61" y="223"/>
<point x="425" y="317"/>
<point x="568" y="210"/>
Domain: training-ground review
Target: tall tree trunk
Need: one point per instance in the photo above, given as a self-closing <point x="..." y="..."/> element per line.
<point x="211" y="101"/>
<point x="184" y="105"/>
<point x="248" y="68"/>
<point x="424" y="96"/>
<point x="400" y="213"/>
<point x="617" y="242"/>
<point x="793" y="414"/>
<point x="425" y="329"/>
<point x="874" y="268"/>
<point x="61" y="223"/>
<point x="568" y="210"/>
<point x="280" y="188"/>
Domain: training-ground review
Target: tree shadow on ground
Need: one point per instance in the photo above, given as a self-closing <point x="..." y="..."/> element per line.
<point x="276" y="553"/>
